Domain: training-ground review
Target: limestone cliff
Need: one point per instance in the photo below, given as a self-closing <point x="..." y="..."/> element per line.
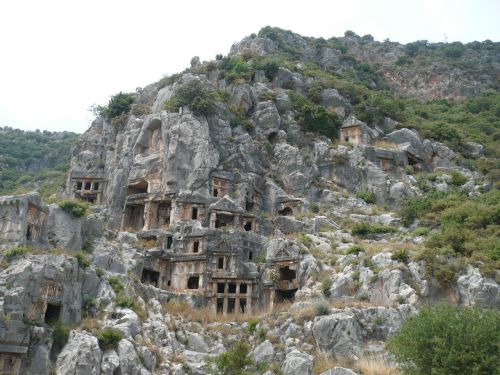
<point x="236" y="202"/>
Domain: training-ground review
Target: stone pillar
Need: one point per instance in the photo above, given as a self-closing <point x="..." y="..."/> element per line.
<point x="224" y="309"/>
<point x="213" y="298"/>
<point x="249" y="298"/>
<point x="237" y="300"/>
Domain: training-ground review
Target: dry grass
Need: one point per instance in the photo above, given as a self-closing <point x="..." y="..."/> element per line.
<point x="204" y="315"/>
<point x="385" y="144"/>
<point x="160" y="358"/>
<point x="90" y="324"/>
<point x="373" y="366"/>
<point x="323" y="361"/>
<point x="342" y="304"/>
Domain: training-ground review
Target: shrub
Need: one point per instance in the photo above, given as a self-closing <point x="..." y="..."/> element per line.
<point x="457" y="179"/>
<point x="235" y="69"/>
<point x="59" y="335"/>
<point x="354" y="249"/>
<point x="252" y="324"/>
<point x="409" y="169"/>
<point x="367" y="196"/>
<point x="315" y="118"/>
<point x="75" y="208"/>
<point x="196" y="96"/>
<point x="314" y="207"/>
<point x="401" y="255"/>
<point x="125" y="301"/>
<point x="367" y="229"/>
<point x="420" y="231"/>
<point x="446" y="340"/>
<point x="108" y="338"/>
<point x="82" y="260"/>
<point x="119" y="104"/>
<point x="305" y="239"/>
<point x="17" y="251"/>
<point x="168" y="80"/>
<point x="232" y="362"/>
<point x="326" y="285"/>
<point x="116" y="284"/>
<point x="321" y="308"/>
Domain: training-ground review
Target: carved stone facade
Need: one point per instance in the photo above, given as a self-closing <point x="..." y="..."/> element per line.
<point x="21" y="219"/>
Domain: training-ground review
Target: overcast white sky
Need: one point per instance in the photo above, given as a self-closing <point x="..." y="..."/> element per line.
<point x="58" y="57"/>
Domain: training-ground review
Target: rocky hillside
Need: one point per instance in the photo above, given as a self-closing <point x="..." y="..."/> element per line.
<point x="34" y="160"/>
<point x="283" y="209"/>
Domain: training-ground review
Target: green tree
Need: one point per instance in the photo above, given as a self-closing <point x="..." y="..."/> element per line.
<point x="444" y="340"/>
<point x="119" y="104"/>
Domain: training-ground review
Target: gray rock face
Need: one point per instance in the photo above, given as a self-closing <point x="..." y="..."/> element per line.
<point x="80" y="356"/>
<point x="64" y="229"/>
<point x="127" y="322"/>
<point x="109" y="362"/>
<point x="263" y="353"/>
<point x="474" y="289"/>
<point x="22" y="220"/>
<point x="266" y="118"/>
<point x="253" y="46"/>
<point x="297" y="363"/>
<point x="332" y="99"/>
<point x="196" y="343"/>
<point x="338" y="334"/>
<point x="129" y="360"/>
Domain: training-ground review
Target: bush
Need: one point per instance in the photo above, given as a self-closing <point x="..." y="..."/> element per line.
<point x="367" y="196"/>
<point x="82" y="260"/>
<point x="354" y="249"/>
<point x="326" y="285"/>
<point x="446" y="340"/>
<point x="321" y="308"/>
<point x="252" y="324"/>
<point x="235" y="69"/>
<point x="401" y="255"/>
<point x="108" y="338"/>
<point x="59" y="335"/>
<point x="367" y="229"/>
<point x="314" y="207"/>
<point x="119" y="104"/>
<point x="232" y="362"/>
<point x="124" y="301"/>
<point x="196" y="96"/>
<point x="305" y="240"/>
<point x="315" y="118"/>
<point x="457" y="179"/>
<point x="75" y="208"/>
<point x="116" y="284"/>
<point x="17" y="251"/>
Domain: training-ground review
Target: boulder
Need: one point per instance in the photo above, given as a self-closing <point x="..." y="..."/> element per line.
<point x="263" y="353"/>
<point x="297" y="363"/>
<point x="196" y="343"/>
<point x="475" y="289"/>
<point x="109" y="362"/>
<point x="63" y="229"/>
<point x="338" y="334"/>
<point x="129" y="360"/>
<point x="80" y="356"/>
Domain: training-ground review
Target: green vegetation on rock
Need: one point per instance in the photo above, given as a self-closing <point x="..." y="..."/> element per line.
<point x="108" y="338"/>
<point x="200" y="99"/>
